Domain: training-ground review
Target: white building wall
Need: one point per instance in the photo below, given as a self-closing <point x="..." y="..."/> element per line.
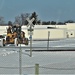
<point x="41" y="31"/>
<point x="43" y="34"/>
<point x="3" y="30"/>
<point x="70" y="26"/>
<point x="71" y="29"/>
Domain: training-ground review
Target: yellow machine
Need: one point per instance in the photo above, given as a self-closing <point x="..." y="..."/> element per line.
<point x="15" y="36"/>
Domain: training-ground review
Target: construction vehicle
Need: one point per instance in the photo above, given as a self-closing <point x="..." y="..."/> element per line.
<point x="14" y="36"/>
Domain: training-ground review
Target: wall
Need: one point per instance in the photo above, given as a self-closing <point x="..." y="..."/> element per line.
<point x="3" y="30"/>
<point x="41" y="31"/>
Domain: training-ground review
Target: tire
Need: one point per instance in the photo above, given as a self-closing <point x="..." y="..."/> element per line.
<point x="16" y="42"/>
<point x="2" y="43"/>
<point x="27" y="42"/>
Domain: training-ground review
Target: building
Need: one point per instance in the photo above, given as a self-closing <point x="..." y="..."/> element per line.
<point x="41" y="31"/>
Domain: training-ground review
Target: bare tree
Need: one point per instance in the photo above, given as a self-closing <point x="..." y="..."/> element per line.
<point x="18" y="20"/>
<point x="24" y="17"/>
<point x="21" y="20"/>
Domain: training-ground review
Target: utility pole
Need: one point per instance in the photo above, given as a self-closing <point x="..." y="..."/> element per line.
<point x="30" y="32"/>
<point x="30" y="42"/>
<point x="48" y="40"/>
<point x="20" y="60"/>
<point x="20" y="50"/>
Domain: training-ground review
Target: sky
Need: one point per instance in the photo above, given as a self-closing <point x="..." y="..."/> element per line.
<point x="47" y="10"/>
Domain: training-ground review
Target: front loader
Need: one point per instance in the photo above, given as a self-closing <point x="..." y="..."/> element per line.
<point x="14" y="36"/>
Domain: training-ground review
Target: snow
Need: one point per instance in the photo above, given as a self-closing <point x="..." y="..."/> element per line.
<point x="50" y="63"/>
<point x="48" y="60"/>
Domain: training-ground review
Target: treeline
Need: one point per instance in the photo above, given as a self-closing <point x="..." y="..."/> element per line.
<point x="22" y="20"/>
<point x="57" y="23"/>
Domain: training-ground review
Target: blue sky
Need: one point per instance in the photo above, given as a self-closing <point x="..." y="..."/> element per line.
<point x="47" y="10"/>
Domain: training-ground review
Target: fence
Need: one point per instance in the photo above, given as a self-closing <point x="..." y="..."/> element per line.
<point x="49" y="62"/>
<point x="37" y="70"/>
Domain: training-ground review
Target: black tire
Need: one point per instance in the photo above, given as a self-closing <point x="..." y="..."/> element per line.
<point x="27" y="42"/>
<point x="7" y="38"/>
<point x="3" y="42"/>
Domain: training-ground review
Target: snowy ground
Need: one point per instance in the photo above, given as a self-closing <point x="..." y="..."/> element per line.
<point x="49" y="62"/>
